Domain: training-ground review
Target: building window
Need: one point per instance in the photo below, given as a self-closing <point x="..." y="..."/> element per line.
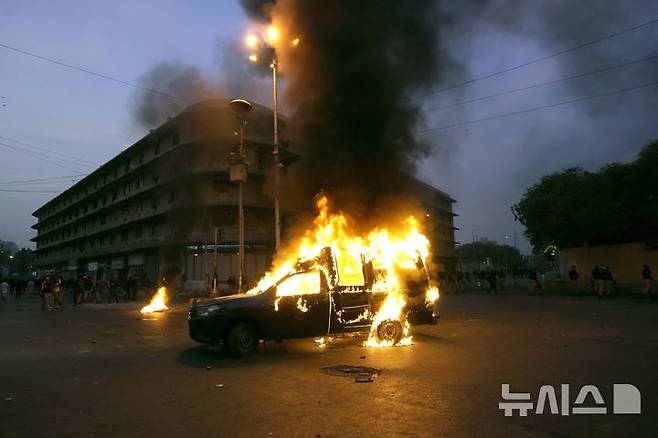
<point x="141" y="158"/>
<point x="221" y="186"/>
<point x="111" y="238"/>
<point x="154" y="229"/>
<point x="138" y="231"/>
<point x="114" y="195"/>
<point x="172" y="195"/>
<point x="155" y="203"/>
<point x="175" y="139"/>
<point x="124" y="235"/>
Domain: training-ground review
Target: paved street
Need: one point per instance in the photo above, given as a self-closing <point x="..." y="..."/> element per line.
<point x="103" y="370"/>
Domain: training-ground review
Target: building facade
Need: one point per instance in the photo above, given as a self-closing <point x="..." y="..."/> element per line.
<point x="165" y="206"/>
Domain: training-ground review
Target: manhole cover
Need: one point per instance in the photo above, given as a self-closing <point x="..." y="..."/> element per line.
<point x="350" y="371"/>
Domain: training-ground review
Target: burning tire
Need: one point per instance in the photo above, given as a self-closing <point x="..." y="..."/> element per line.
<point x="389" y="330"/>
<point x="243" y="339"/>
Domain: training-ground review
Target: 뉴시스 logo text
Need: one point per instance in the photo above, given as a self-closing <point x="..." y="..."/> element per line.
<point x="626" y="399"/>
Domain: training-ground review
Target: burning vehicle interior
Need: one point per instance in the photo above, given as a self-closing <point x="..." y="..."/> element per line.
<point x="332" y="281"/>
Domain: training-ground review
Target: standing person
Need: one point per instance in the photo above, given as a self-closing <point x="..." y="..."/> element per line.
<point x="460" y="282"/>
<point x="573" y="280"/>
<point x="606" y="279"/>
<point x="501" y="279"/>
<point x="99" y="289"/>
<point x="79" y="291"/>
<point x="20" y="287"/>
<point x="47" y="294"/>
<point x="493" y="283"/>
<point x="29" y="289"/>
<point x="649" y="282"/>
<point x="131" y="286"/>
<point x="596" y="279"/>
<point x="114" y="289"/>
<point x="4" y="290"/>
<point x="57" y="291"/>
<point x="535" y="284"/>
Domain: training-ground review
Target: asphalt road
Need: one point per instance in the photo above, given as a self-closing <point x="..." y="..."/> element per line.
<point x="103" y="370"/>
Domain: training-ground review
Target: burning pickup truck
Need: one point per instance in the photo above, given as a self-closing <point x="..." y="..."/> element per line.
<point x="310" y="301"/>
<point x="338" y="282"/>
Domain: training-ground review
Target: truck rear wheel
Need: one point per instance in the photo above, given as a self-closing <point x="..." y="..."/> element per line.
<point x="389" y="330"/>
<point x="243" y="339"/>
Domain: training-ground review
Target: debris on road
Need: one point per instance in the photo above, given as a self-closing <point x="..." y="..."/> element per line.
<point x="9" y="398"/>
<point x="363" y="374"/>
<point x="364" y="378"/>
<point x="219" y="385"/>
<point x="207" y="367"/>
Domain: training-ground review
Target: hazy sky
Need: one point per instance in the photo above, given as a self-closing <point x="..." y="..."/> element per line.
<point x="485" y="166"/>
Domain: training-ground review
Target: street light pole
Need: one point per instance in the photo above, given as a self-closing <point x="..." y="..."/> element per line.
<point x="277" y="214"/>
<point x="239" y="174"/>
<point x="241" y="213"/>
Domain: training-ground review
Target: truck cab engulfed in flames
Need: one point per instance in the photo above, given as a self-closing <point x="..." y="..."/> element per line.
<point x="319" y="296"/>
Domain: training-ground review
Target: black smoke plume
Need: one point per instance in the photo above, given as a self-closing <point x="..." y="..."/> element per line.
<point x="349" y="89"/>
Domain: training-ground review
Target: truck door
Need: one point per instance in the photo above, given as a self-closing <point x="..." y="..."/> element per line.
<point x="301" y="306"/>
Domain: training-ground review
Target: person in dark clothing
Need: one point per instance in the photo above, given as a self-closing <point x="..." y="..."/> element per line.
<point x="535" y="285"/>
<point x="597" y="279"/>
<point x="131" y="286"/>
<point x="607" y="281"/>
<point x="114" y="290"/>
<point x="492" y="279"/>
<point x="573" y="280"/>
<point x="649" y="282"/>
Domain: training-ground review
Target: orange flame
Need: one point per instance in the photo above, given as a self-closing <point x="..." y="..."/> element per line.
<point x="158" y="302"/>
<point x="390" y="250"/>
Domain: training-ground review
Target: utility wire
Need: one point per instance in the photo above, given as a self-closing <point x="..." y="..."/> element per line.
<point x="542" y="58"/>
<point x="54" y="163"/>
<point x="48" y="158"/>
<point x="30" y="191"/>
<point x="91" y="72"/>
<point x="529" y="110"/>
<point x="541" y="84"/>
<point x="40" y="180"/>
<point x="50" y="150"/>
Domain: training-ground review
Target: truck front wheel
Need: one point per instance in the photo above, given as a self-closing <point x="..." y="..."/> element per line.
<point x="389" y="330"/>
<point x="243" y="339"/>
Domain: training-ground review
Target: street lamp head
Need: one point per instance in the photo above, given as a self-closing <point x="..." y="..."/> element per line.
<point x="241" y="107"/>
<point x="272" y="34"/>
<point x="295" y="42"/>
<point x="251" y="41"/>
<point x="253" y="58"/>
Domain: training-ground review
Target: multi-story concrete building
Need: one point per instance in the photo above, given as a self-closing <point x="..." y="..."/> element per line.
<point x="157" y="207"/>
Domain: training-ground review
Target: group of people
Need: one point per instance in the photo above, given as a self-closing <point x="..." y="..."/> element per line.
<point x="52" y="289"/>
<point x="455" y="282"/>
<point x="603" y="281"/>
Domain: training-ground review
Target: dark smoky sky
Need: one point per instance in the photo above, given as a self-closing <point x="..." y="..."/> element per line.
<point x="485" y="166"/>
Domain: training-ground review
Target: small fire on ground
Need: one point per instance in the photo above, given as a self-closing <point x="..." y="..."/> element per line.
<point x="158" y="302"/>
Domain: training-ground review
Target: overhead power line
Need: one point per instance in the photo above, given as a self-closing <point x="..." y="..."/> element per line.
<point x="64" y="163"/>
<point x="30" y="191"/>
<point x="91" y="72"/>
<point x="92" y="163"/>
<point x="529" y="110"/>
<point x="541" y="84"/>
<point x="543" y="58"/>
<point x="43" y="180"/>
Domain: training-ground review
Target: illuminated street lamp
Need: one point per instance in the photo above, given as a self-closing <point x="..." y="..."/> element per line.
<point x="271" y="36"/>
<point x="238" y="174"/>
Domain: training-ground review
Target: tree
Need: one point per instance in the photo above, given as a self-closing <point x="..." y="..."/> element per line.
<point x="500" y="255"/>
<point x="619" y="203"/>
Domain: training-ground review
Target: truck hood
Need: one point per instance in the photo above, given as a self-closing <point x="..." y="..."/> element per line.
<point x="225" y="299"/>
